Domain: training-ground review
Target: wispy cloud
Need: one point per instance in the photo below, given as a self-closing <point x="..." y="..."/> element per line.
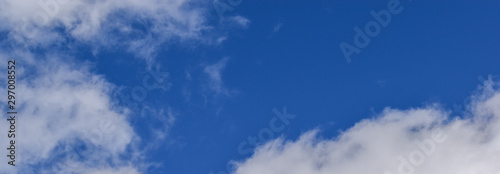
<point x="160" y="120"/>
<point x="241" y="21"/>
<point x="214" y="74"/>
<point x="139" y="27"/>
<point x="277" y="27"/>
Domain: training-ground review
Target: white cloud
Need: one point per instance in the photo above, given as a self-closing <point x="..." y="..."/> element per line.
<point x="420" y="141"/>
<point x="214" y="73"/>
<point x="221" y="39"/>
<point x="66" y="116"/>
<point x="85" y="20"/>
<point x="64" y="104"/>
<point x="164" y="118"/>
<point x="138" y="26"/>
<point x="141" y="28"/>
<point x="240" y="20"/>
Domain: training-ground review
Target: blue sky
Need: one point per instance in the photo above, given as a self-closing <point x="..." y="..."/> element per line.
<point x="183" y="86"/>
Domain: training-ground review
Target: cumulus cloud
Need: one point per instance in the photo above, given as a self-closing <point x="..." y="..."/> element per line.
<point x="426" y="140"/>
<point x="67" y="121"/>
